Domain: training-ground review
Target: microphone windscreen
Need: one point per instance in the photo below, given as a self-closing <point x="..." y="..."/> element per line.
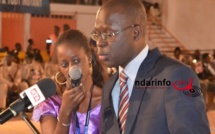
<point x="75" y="72"/>
<point x="47" y="87"/>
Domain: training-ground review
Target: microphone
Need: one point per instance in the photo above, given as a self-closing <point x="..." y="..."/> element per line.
<point x="75" y="75"/>
<point x="29" y="98"/>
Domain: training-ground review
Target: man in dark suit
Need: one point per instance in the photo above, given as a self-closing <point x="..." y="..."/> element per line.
<point x="129" y="106"/>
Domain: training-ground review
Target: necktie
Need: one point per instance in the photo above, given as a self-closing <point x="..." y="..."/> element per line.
<point x="124" y="101"/>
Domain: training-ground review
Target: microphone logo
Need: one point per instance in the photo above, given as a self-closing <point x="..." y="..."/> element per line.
<point x="35" y="95"/>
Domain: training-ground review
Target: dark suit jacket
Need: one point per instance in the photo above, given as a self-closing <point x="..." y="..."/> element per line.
<point x="158" y="110"/>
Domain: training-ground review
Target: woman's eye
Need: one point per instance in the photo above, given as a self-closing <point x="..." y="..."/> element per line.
<point x="76" y="61"/>
<point x="64" y="64"/>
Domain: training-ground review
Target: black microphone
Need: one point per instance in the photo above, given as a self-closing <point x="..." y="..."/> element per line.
<point x="30" y="97"/>
<point x="75" y="74"/>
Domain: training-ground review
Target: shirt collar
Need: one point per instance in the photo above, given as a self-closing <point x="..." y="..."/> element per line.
<point x="133" y="66"/>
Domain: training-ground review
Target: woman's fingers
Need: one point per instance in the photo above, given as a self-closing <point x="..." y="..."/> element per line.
<point x="73" y="97"/>
<point x="68" y="86"/>
<point x="79" y="97"/>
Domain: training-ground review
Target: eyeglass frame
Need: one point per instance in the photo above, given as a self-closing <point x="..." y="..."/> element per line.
<point x="114" y="34"/>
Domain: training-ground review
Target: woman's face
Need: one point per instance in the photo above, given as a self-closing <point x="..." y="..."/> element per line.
<point x="69" y="55"/>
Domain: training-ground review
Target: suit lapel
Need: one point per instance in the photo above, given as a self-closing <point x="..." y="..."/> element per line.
<point x="138" y="92"/>
<point x="111" y="124"/>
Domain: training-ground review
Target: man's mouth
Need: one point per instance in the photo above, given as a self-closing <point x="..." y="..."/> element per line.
<point x="103" y="56"/>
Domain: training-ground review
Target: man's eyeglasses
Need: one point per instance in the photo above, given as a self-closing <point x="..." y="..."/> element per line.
<point x="109" y="36"/>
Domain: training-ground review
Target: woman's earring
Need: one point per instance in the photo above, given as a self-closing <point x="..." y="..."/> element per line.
<point x="91" y="68"/>
<point x="55" y="77"/>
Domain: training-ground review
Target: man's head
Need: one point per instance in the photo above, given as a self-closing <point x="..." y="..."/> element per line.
<point x="30" y="42"/>
<point x="66" y="27"/>
<point x="18" y="47"/>
<point x="29" y="57"/>
<point x="206" y="58"/>
<point x="120" y="31"/>
<point x="177" y="52"/>
<point x="9" y="58"/>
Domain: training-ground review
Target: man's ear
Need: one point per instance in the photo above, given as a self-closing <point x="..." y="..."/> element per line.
<point x="137" y="32"/>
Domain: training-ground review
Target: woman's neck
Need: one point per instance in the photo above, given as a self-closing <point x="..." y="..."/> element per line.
<point x="87" y="84"/>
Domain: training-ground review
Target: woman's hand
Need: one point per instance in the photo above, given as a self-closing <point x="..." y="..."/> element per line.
<point x="71" y="99"/>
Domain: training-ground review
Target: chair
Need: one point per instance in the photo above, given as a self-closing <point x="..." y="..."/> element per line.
<point x="21" y="55"/>
<point x="45" y="56"/>
<point x="2" y="55"/>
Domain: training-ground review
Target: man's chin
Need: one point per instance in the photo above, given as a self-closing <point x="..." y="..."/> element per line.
<point x="109" y="64"/>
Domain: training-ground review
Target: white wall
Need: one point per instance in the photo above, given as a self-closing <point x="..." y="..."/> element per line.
<point x="27" y="25"/>
<point x="85" y="15"/>
<point x="191" y="21"/>
<point x="85" y="23"/>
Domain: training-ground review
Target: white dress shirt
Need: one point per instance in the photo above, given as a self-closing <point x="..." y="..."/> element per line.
<point x="131" y="71"/>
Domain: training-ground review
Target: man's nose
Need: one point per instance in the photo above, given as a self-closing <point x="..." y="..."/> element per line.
<point x="101" y="42"/>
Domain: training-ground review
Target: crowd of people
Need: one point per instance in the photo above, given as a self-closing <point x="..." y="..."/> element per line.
<point x="204" y="67"/>
<point x="18" y="74"/>
<point x="115" y="105"/>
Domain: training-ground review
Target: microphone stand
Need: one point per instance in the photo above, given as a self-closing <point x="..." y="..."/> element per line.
<point x="29" y="123"/>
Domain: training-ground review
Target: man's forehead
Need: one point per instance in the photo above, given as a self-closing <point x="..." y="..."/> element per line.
<point x="109" y="18"/>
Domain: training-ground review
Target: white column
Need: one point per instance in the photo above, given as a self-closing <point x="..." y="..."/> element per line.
<point x="27" y="30"/>
<point x="0" y="29"/>
<point x="81" y="23"/>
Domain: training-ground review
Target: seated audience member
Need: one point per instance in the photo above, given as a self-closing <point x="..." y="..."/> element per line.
<point x="10" y="77"/>
<point x="155" y="13"/>
<point x="32" y="71"/>
<point x="208" y="75"/>
<point x="197" y="55"/>
<point x="147" y="5"/>
<point x="73" y="110"/>
<point x="18" y="48"/>
<point x="4" y="50"/>
<point x="198" y="68"/>
<point x="178" y="55"/>
<point x="38" y="57"/>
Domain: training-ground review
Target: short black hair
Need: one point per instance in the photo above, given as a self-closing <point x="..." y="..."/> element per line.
<point x="177" y="49"/>
<point x="205" y="56"/>
<point x="30" y="41"/>
<point x="29" y="55"/>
